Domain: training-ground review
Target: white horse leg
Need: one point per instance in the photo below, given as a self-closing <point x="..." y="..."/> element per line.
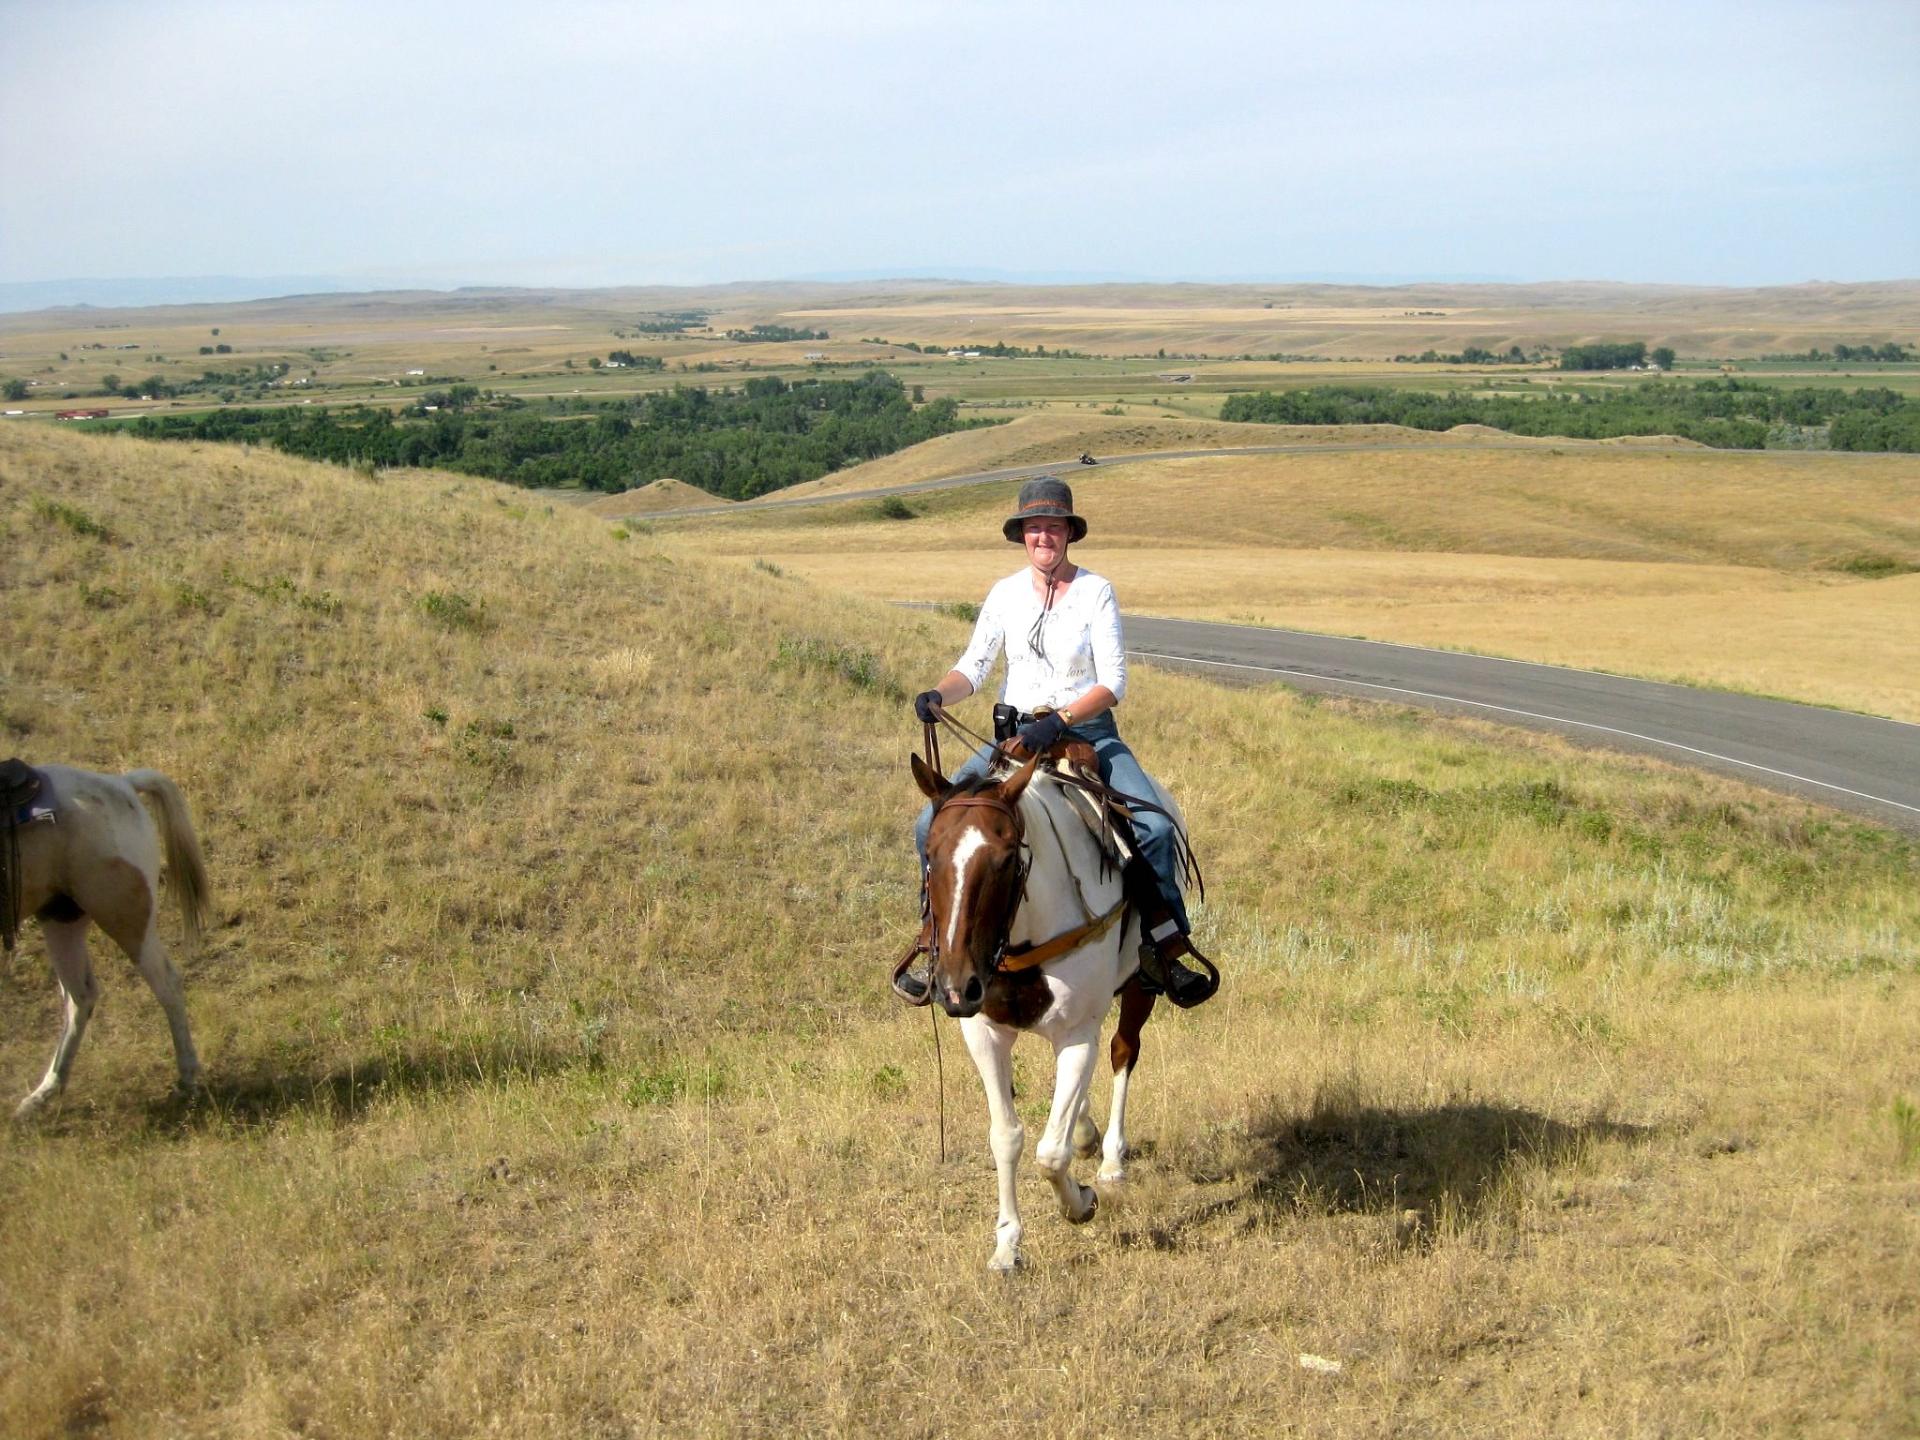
<point x="67" y="950"/>
<point x="992" y="1049"/>
<point x="164" y="980"/>
<point x="128" y="916"/>
<point x="1073" y="1067"/>
<point x="1113" y="1149"/>
<point x="1135" y="1007"/>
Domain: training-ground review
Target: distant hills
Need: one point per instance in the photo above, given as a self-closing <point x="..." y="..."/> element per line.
<point x="17" y="295"/>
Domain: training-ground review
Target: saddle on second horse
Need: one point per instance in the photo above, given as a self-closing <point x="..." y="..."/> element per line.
<point x="19" y="785"/>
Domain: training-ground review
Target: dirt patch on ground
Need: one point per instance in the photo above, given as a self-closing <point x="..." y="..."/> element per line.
<point x="1654" y="442"/>
<point x="653" y="499"/>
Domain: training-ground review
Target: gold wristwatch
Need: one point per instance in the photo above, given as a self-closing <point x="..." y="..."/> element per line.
<point x="1066" y="717"/>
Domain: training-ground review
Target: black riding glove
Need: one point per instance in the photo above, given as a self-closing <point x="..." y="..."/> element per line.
<point x="1038" y="738"/>
<point x="926" y="705"/>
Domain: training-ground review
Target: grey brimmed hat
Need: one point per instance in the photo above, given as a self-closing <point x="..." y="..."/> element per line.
<point x="1045" y="497"/>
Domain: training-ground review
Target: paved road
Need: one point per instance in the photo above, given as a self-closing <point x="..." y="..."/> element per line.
<point x="1854" y="762"/>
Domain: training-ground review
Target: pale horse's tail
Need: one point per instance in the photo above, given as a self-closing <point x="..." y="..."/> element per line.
<point x="188" y="869"/>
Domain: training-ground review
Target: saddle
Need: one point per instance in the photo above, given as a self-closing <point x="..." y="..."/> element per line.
<point x="19" y="788"/>
<point x="19" y="785"/>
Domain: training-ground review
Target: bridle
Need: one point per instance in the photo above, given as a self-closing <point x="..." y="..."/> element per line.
<point x="1025" y="865"/>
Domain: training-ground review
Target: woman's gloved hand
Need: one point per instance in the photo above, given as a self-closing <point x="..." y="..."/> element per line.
<point x="926" y="705"/>
<point x="1038" y="738"/>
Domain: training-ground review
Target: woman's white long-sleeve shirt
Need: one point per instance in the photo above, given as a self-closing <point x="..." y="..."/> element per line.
<point x="1080" y="637"/>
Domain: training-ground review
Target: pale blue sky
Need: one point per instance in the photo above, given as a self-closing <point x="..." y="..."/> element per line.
<point x="594" y="144"/>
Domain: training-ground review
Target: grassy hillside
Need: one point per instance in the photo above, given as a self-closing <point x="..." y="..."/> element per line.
<point x="1793" y="575"/>
<point x="554" y="1088"/>
<point x="1061" y="435"/>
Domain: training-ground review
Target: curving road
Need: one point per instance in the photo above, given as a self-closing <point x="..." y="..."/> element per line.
<point x="1854" y="762"/>
<point x="1858" y="763"/>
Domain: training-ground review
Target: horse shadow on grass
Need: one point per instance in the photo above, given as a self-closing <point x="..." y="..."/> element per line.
<point x="1426" y="1169"/>
<point x="262" y="1094"/>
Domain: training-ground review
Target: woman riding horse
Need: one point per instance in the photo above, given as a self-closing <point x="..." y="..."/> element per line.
<point x="1066" y="670"/>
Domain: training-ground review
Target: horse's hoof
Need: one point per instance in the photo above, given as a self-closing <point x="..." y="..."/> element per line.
<point x="1091" y="1198"/>
<point x="1116" y="1176"/>
<point x="1006" y="1264"/>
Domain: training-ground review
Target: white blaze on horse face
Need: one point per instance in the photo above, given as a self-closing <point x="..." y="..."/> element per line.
<point x="970" y="844"/>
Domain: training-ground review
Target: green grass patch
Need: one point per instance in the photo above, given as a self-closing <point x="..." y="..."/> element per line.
<point x="453" y="610"/>
<point x="1872" y="565"/>
<point x="862" y="669"/>
<point x="71" y="516"/>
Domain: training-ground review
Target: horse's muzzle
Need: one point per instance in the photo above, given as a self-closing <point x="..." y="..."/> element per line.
<point x="962" y="1002"/>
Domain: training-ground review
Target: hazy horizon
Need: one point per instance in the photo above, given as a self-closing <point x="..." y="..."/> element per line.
<point x="602" y="145"/>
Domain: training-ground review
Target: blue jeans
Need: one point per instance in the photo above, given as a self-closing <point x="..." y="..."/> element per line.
<point x="1119" y="769"/>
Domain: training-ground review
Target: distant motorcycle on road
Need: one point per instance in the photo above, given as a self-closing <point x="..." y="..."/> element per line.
<point x="1087" y="459"/>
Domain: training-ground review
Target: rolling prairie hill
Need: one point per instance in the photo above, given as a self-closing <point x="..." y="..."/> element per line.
<point x="1060" y="436"/>
<point x="554" y="1087"/>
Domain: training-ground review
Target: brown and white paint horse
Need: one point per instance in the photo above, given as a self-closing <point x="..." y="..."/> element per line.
<point x="98" y="862"/>
<point x="1012" y="864"/>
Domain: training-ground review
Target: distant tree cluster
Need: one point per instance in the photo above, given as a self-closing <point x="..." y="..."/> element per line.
<point x="761" y="333"/>
<point x="1727" y="414"/>
<point x="667" y="322"/>
<point x="1472" y="355"/>
<point x="636" y="362"/>
<point x="1605" y="355"/>
<point x="1892" y="353"/>
<point x="734" y="443"/>
<point x="998" y="350"/>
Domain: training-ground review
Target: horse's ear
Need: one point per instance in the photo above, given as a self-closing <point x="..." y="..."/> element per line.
<point x="930" y="783"/>
<point x="1010" y="789"/>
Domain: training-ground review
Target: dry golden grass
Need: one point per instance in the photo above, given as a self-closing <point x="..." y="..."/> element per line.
<point x="1713" y="568"/>
<point x="1363" y="321"/>
<point x="554" y="1088"/>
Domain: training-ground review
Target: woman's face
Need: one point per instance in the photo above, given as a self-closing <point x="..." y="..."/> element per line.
<point x="1046" y="542"/>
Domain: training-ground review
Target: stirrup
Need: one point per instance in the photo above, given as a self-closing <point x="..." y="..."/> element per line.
<point x="1165" y="974"/>
<point x="914" y="985"/>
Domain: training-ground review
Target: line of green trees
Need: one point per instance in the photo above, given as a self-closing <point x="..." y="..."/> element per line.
<point x="774" y="332"/>
<point x="667" y="322"/>
<point x="1892" y="352"/>
<point x="1614" y="355"/>
<point x="1727" y="414"/>
<point x="734" y="443"/>
<point x="1471" y="355"/>
<point x="998" y="350"/>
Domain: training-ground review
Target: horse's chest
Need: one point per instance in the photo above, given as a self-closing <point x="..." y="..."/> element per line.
<point x="1018" y="1000"/>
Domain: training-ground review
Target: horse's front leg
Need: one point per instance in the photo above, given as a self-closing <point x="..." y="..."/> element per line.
<point x="991" y="1046"/>
<point x="1072" y="1070"/>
